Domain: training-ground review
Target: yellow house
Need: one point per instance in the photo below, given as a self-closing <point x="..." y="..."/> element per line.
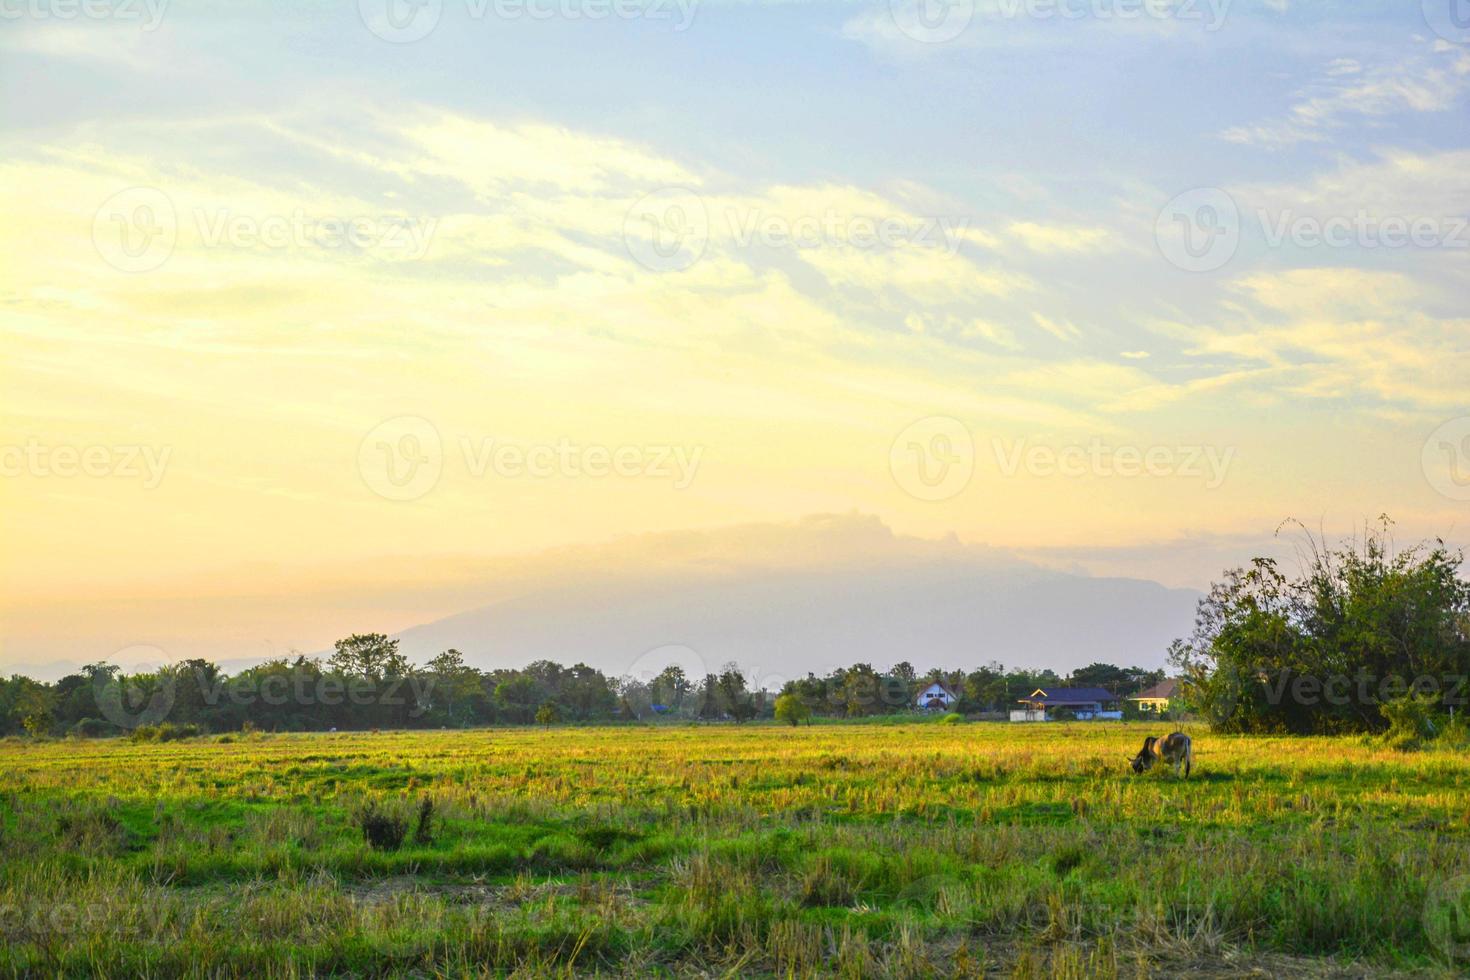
<point x="1156" y="698"/>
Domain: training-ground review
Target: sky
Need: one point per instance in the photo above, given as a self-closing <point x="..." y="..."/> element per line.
<point x="315" y="315"/>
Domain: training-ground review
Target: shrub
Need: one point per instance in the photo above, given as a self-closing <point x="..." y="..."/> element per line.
<point x="1363" y="609"/>
<point x="953" y="718"/>
<point x="603" y="836"/>
<point x="423" y="831"/>
<point x="382" y="831"/>
<point x="547" y="714"/>
<point x="1411" y="721"/>
<point x="791" y="709"/>
<point x="93" y="832"/>
<point x="827" y="884"/>
<point x="1066" y="859"/>
<point x="167" y="732"/>
<point x="1455" y="734"/>
<point x="92" y="728"/>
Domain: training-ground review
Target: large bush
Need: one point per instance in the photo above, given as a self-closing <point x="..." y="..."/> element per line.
<point x="1360" y="626"/>
<point x="791" y="709"/>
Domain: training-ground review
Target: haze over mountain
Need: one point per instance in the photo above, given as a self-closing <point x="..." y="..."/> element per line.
<point x="778" y="598"/>
<point x="782" y="600"/>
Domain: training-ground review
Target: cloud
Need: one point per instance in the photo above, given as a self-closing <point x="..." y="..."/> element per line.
<point x="1060" y="329"/>
<point x="1111" y="388"/>
<point x="910" y="30"/>
<point x="1049" y="239"/>
<point x="1433" y="81"/>
<point x="490" y="157"/>
<point x="1347" y="334"/>
<point x="132" y="45"/>
<point x="1390" y="183"/>
<point x="903" y="276"/>
<point x="962" y="329"/>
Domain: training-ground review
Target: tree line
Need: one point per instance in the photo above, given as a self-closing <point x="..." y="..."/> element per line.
<point x="368" y="683"/>
<point x="860" y="691"/>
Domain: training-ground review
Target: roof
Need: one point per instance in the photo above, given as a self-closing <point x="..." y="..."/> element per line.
<point x="1167" y="688"/>
<point x="1069" y="695"/>
<point x="942" y="686"/>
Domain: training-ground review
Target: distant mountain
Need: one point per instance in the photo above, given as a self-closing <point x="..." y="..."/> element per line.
<point x="782" y="600"/>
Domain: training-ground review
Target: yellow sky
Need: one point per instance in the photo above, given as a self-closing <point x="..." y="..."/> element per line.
<point x="243" y="400"/>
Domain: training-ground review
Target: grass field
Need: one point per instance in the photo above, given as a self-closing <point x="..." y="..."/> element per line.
<point x="860" y="850"/>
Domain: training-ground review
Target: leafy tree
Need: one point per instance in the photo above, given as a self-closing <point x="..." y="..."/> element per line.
<point x="862" y="691"/>
<point x="1122" y="681"/>
<point x="586" y="694"/>
<point x="76" y="700"/>
<point x="369" y="655"/>
<point x="734" y="699"/>
<point x="195" y="685"/>
<point x="904" y="671"/>
<point x="709" y="699"/>
<point x="34" y="706"/>
<point x="984" y="689"/>
<point x="1360" y="625"/>
<point x="456" y="687"/>
<point x="1107" y="676"/>
<point x="519" y="697"/>
<point x="791" y="709"/>
<point x="670" y="688"/>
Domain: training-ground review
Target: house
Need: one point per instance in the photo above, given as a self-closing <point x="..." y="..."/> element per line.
<point x="1156" y="699"/>
<point x="936" y="697"/>
<point x="1085" y="704"/>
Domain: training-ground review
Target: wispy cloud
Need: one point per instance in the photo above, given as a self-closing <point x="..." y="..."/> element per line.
<point x="1432" y="80"/>
<point x="1048" y="239"/>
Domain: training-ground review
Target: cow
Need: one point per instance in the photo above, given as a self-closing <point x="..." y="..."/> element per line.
<point x="1174" y="749"/>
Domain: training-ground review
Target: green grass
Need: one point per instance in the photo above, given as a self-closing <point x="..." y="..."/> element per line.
<point x="864" y="850"/>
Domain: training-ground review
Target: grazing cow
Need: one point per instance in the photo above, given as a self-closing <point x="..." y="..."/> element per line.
<point x="1174" y="749"/>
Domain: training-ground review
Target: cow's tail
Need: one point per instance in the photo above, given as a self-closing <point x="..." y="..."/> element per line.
<point x="1188" y="756"/>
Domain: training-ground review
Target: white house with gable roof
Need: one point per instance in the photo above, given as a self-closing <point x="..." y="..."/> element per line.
<point x="936" y="697"/>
